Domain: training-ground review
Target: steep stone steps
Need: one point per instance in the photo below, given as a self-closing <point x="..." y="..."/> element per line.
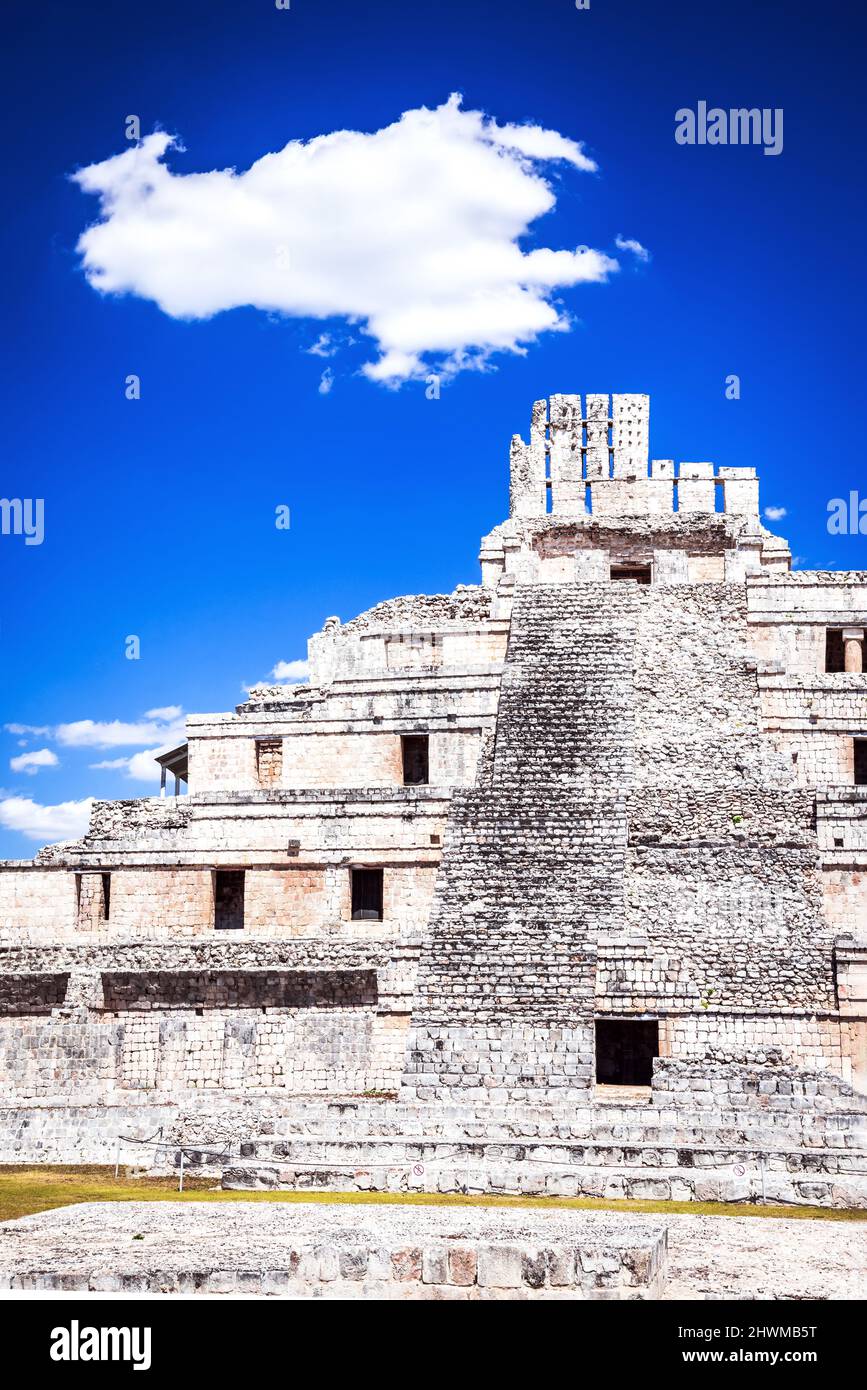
<point x="533" y="863"/>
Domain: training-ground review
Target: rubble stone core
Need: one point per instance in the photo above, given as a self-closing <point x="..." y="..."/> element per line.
<point x="610" y="810"/>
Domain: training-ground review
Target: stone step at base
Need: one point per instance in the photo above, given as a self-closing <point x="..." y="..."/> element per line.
<point x="374" y="1153"/>
<point x="738" y="1183"/>
<point x="839" y="1130"/>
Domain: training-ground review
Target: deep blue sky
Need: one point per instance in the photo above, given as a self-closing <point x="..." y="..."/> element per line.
<point x="159" y="513"/>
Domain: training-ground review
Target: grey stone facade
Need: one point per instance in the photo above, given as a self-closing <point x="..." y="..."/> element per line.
<point x="642" y="807"/>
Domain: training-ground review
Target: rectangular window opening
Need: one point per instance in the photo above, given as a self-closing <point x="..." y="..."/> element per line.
<point x="860" y="762"/>
<point x="625" y="1049"/>
<point x="415" y="749"/>
<point x="640" y="573"/>
<point x="228" y="899"/>
<point x="366" y="895"/>
<point x="835" y="656"/>
<point x="269" y="761"/>
<point x="106" y="896"/>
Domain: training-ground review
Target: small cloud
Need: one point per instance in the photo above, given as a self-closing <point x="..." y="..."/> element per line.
<point x="140" y="767"/>
<point x="41" y="730"/>
<point x="291" y="671"/>
<point x="624" y="243"/>
<point x="32" y="762"/>
<point x="168" y="712"/>
<point x="326" y="381"/>
<point x="65" y="821"/>
<point x="775" y="513"/>
<point x="323" y="347"/>
<point x="115" y="733"/>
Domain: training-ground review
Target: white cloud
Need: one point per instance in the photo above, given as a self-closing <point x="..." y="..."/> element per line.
<point x="624" y="243"/>
<point x="411" y="232"/>
<point x="775" y="513"/>
<point x="168" y="712"/>
<point x="66" y="821"/>
<point x="326" y="381"/>
<point x="115" y="733"/>
<point x="291" y="671"/>
<point x="40" y="729"/>
<point x="32" y="762"/>
<point x="141" y="767"/>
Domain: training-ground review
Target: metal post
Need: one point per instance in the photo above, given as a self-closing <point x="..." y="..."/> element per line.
<point x="116" y="1157"/>
<point x="181" y="1186"/>
<point x="762" y="1171"/>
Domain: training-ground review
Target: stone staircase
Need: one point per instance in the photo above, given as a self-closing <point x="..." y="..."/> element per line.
<point x="646" y="1152"/>
<point x="533" y="864"/>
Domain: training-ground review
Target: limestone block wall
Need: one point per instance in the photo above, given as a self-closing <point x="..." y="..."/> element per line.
<point x="813" y="720"/>
<point x="706" y="569"/>
<point x="348" y="735"/>
<point x="723" y="929"/>
<point x="772" y="1086"/>
<point x="370" y="759"/>
<point x="342" y="759"/>
<point x="811" y="1042"/>
<point x="696" y="697"/>
<point x="723" y="893"/>
<point x="155" y="902"/>
<point x="818" y="758"/>
<point x="171" y="904"/>
<point x="790" y="613"/>
<point x="411" y="633"/>
<point x="298" y="1017"/>
<point x="33" y="899"/>
<point x="221" y="764"/>
<point x="338" y="1050"/>
<point x="31" y="995"/>
<point x="844" y="891"/>
<point x="683" y="547"/>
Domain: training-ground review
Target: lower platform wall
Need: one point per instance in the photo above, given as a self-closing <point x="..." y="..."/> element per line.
<point x="340" y="1050"/>
<point x="332" y="1033"/>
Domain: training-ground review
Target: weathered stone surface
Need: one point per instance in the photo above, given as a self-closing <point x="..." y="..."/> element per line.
<point x="641" y="806"/>
<point x="317" y="1251"/>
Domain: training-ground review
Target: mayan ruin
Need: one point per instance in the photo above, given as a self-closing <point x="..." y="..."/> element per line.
<point x="551" y="885"/>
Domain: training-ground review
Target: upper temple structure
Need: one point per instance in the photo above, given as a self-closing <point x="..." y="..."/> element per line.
<point x="585" y="841"/>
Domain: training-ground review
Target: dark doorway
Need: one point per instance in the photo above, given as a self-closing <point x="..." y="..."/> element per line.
<point x="229" y="899"/>
<point x="835" y="656"/>
<point x="366" y="895"/>
<point x="625" y="1049"/>
<point x="640" y="573"/>
<point x="861" y="762"/>
<point x="415" y="760"/>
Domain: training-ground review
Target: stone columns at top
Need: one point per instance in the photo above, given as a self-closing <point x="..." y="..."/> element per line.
<point x="853" y="640"/>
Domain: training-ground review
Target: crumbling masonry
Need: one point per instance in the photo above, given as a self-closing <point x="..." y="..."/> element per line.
<point x="590" y="835"/>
